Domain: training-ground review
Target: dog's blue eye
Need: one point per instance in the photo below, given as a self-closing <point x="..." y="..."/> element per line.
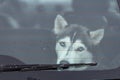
<point x="62" y="44"/>
<point x="80" y="49"/>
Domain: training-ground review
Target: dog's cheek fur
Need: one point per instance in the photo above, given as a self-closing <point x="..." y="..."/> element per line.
<point x="80" y="57"/>
<point x="61" y="53"/>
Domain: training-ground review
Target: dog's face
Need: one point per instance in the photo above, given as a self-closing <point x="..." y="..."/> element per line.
<point x="74" y="43"/>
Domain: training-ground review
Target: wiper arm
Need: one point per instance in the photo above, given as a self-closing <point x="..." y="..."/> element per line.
<point x="40" y="67"/>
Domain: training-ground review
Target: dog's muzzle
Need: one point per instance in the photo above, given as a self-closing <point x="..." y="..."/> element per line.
<point x="63" y="62"/>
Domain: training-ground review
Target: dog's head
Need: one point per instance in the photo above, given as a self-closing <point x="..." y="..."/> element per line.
<point x="74" y="42"/>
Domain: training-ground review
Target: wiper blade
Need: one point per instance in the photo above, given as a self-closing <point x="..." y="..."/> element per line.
<point x="40" y="67"/>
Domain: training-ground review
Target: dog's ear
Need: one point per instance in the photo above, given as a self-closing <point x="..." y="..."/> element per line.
<point x="59" y="24"/>
<point x="97" y="36"/>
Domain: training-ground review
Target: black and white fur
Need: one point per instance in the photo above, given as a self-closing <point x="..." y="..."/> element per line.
<point x="74" y="43"/>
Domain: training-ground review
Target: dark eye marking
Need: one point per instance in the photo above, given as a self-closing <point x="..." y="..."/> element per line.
<point x="80" y="49"/>
<point x="62" y="44"/>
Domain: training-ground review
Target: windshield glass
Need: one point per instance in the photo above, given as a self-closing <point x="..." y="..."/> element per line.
<point x="61" y="32"/>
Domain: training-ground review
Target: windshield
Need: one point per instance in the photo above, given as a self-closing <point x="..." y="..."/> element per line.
<point x="61" y="32"/>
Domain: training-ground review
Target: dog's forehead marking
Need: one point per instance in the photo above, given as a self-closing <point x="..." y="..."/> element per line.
<point x="74" y="30"/>
<point x="75" y="33"/>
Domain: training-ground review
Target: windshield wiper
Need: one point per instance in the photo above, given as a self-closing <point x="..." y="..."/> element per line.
<point x="40" y="67"/>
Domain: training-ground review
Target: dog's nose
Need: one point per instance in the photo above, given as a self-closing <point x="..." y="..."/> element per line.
<point x="64" y="62"/>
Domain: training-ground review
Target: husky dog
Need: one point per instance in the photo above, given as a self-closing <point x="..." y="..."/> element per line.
<point x="74" y="43"/>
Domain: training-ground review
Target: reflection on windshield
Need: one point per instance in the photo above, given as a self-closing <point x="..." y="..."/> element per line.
<point x="26" y="29"/>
